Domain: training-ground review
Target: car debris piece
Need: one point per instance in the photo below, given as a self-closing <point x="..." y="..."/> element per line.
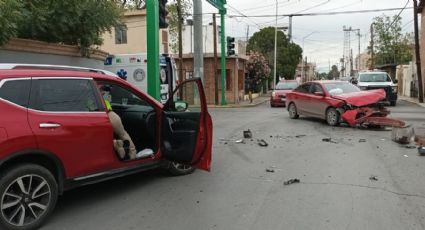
<point x="291" y="181"/>
<point x="262" y="143"/>
<point x="421" y="150"/>
<point x="402" y="135"/>
<point x="405" y="156"/>
<point x="362" y="140"/>
<point x="374" y="178"/>
<point x="299" y="136"/>
<point x="247" y="134"/>
<point x="241" y="141"/>
<point x="270" y="170"/>
<point x="328" y="139"/>
<point x="367" y="116"/>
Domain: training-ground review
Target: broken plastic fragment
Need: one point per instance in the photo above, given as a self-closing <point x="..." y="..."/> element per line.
<point x="262" y="143"/>
<point x="291" y="181"/>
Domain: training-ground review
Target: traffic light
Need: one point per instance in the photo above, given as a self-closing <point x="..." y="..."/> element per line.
<point x="163" y="14"/>
<point x="230" y="46"/>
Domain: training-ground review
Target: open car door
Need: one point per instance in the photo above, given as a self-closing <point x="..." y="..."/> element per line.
<point x="187" y="126"/>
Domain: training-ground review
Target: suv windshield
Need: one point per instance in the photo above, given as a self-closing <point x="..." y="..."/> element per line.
<point x="340" y="88"/>
<point x="286" y="85"/>
<point x="375" y="77"/>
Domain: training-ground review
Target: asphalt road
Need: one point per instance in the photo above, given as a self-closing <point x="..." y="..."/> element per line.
<point x="335" y="189"/>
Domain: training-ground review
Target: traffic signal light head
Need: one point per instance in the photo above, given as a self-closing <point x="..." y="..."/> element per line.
<point x="162" y="14"/>
<point x="230" y="46"/>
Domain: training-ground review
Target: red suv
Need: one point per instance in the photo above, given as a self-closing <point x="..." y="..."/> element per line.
<point x="55" y="134"/>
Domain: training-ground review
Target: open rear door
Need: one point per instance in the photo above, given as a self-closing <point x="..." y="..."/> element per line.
<point x="187" y="126"/>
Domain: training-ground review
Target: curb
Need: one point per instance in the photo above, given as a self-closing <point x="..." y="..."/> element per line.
<point x="412" y="101"/>
<point x="254" y="104"/>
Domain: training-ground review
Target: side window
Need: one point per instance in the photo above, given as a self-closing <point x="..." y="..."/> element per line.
<point x="120" y="96"/>
<point x="304" y="88"/>
<point x="316" y="88"/>
<point x="186" y="99"/>
<point x="16" y="91"/>
<point x="64" y="95"/>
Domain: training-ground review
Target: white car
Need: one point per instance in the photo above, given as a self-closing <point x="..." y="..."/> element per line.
<point x="378" y="80"/>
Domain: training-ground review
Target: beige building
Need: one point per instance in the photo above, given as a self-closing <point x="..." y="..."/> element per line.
<point x="364" y="61"/>
<point x="131" y="36"/>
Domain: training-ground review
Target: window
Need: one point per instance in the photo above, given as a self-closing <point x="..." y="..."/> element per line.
<point x="316" y="88"/>
<point x="119" y="96"/>
<point x="64" y="95"/>
<point x="121" y="35"/>
<point x="16" y="91"/>
<point x="304" y="88"/>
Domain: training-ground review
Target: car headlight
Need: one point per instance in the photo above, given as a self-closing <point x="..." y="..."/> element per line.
<point x="394" y="88"/>
<point x="273" y="93"/>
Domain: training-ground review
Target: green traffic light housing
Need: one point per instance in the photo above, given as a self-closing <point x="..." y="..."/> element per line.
<point x="230" y="46"/>
<point x="162" y="14"/>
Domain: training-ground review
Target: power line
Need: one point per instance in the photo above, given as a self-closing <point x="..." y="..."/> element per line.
<point x="398" y="15"/>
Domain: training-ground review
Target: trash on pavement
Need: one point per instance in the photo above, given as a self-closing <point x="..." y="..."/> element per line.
<point x="409" y="147"/>
<point x="291" y="181"/>
<point x="405" y="156"/>
<point x="247" y="134"/>
<point x="420" y="136"/>
<point x="328" y="139"/>
<point x="232" y="140"/>
<point x="262" y="143"/>
<point x="299" y="136"/>
<point x="270" y="170"/>
<point x="374" y="178"/>
<point x="402" y="135"/>
<point x="362" y="140"/>
<point x="240" y="141"/>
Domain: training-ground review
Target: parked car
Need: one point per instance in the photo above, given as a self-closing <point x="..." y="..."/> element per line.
<point x="278" y="97"/>
<point x="378" y="80"/>
<point x="55" y="135"/>
<point x="339" y="101"/>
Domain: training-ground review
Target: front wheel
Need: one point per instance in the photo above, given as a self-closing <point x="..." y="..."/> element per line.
<point x="28" y="196"/>
<point x="332" y="117"/>
<point x="177" y="169"/>
<point x="292" y="109"/>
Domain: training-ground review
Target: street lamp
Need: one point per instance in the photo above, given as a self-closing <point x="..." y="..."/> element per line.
<point x="302" y="61"/>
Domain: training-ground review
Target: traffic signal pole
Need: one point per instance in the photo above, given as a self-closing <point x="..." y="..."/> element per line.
<point x="152" y="36"/>
<point x="223" y="58"/>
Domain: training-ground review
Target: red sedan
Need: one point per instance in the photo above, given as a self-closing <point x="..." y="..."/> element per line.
<point x="278" y="97"/>
<point x="339" y="101"/>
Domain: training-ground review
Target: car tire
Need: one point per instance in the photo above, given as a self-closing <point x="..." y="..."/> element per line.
<point x="393" y="103"/>
<point x="28" y="195"/>
<point x="177" y="169"/>
<point x="292" y="109"/>
<point x="332" y="117"/>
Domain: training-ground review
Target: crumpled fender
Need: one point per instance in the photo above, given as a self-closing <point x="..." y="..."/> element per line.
<point x="368" y="116"/>
<point x="350" y="116"/>
<point x="362" y="98"/>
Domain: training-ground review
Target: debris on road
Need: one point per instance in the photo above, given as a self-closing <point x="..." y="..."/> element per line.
<point x="291" y="181"/>
<point x="247" y="134"/>
<point x="405" y="156"/>
<point x="421" y="151"/>
<point x="262" y="143"/>
<point x="299" y="136"/>
<point x="328" y="139"/>
<point x="240" y="141"/>
<point x="374" y="178"/>
<point x="270" y="170"/>
<point x="402" y="135"/>
<point x="409" y="147"/>
<point x="362" y="140"/>
<point x="232" y="140"/>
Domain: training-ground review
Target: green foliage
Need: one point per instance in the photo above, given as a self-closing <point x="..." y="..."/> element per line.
<point x="288" y="53"/>
<point x="390" y="45"/>
<point x="10" y="16"/>
<point x="72" y="22"/>
<point x="258" y="71"/>
<point x="173" y="21"/>
<point x="333" y="74"/>
<point x="133" y="4"/>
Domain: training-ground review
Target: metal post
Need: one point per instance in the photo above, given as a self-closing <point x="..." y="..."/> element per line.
<point x="290" y="29"/>
<point x="179" y="27"/>
<point x="152" y="33"/>
<point x="223" y="58"/>
<point x="275" y="51"/>
<point x="198" y="55"/>
<point x="372" y="65"/>
<point x="215" y="60"/>
<point x="358" y="62"/>
<point x="418" y="55"/>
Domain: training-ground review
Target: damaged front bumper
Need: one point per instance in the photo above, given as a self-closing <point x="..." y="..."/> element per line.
<point x="367" y="116"/>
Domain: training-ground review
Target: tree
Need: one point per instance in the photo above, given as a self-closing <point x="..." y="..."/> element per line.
<point x="390" y="45"/>
<point x="71" y="22"/>
<point x="9" y="19"/>
<point x="258" y="71"/>
<point x="288" y="53"/>
<point x="333" y="73"/>
<point x="173" y="21"/>
<point x="133" y="4"/>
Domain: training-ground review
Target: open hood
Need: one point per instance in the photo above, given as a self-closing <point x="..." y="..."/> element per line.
<point x="362" y="98"/>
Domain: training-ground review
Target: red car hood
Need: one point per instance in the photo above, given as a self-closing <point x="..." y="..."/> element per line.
<point x="362" y="98"/>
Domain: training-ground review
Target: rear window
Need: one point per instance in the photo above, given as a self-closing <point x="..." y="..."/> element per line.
<point x="375" y="77"/>
<point x="16" y="91"/>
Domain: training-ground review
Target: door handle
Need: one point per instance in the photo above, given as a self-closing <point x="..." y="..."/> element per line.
<point x="49" y="125"/>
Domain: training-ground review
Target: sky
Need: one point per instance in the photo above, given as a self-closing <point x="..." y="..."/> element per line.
<point x="321" y="36"/>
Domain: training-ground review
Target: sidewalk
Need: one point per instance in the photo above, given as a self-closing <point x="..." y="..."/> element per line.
<point x="255" y="102"/>
<point x="411" y="100"/>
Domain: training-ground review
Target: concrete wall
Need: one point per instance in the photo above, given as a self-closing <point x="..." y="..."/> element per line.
<point x="36" y="52"/>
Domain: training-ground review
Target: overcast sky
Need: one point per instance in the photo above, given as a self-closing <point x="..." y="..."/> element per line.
<point x="323" y="35"/>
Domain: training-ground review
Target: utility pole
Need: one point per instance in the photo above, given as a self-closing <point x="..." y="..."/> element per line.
<point x="418" y="55"/>
<point x="372" y="65"/>
<point x="198" y="56"/>
<point x="290" y="29"/>
<point x="179" y="27"/>
<point x="223" y="57"/>
<point x="275" y="51"/>
<point x="152" y="33"/>
<point x="215" y="60"/>
<point x="247" y="33"/>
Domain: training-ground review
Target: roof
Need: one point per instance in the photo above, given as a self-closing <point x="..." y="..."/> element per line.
<point x="26" y="73"/>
